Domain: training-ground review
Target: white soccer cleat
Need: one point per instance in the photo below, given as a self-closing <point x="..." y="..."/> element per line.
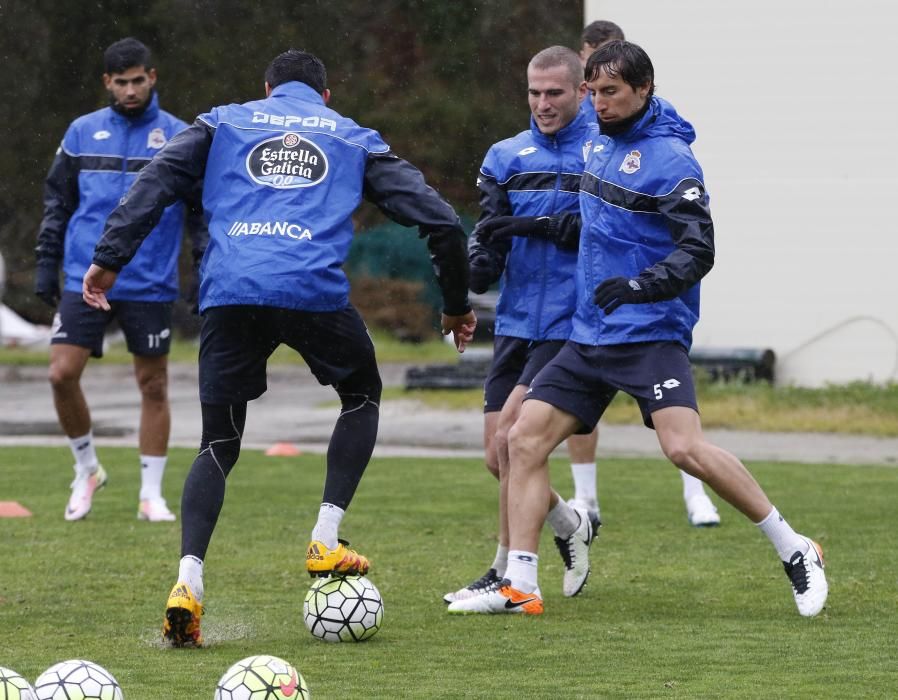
<point x="805" y="571"/>
<point x="503" y="599"/>
<point x="83" y="488"/>
<point x="155" y="510"/>
<point x="592" y="508"/>
<point x="488" y="582"/>
<point x="575" y="552"/>
<point x="701" y="511"/>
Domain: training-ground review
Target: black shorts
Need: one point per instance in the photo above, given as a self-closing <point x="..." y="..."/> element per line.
<point x="583" y="379"/>
<point x="515" y="361"/>
<point x="145" y="324"/>
<point x="236" y="342"/>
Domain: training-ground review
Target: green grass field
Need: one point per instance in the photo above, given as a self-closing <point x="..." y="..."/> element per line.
<point x="669" y="611"/>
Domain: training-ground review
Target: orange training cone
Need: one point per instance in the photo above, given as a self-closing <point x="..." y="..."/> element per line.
<point x="283" y="449"/>
<point x="13" y="509"/>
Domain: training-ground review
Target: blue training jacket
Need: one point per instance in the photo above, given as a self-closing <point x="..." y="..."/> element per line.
<point x="100" y="157"/>
<point x="283" y="176"/>
<point x="532" y="174"/>
<point x="645" y="216"/>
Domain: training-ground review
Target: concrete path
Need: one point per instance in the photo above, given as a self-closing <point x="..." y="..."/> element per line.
<point x="297" y="409"/>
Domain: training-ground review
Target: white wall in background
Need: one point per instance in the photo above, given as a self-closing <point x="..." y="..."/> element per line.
<point x="796" y="109"/>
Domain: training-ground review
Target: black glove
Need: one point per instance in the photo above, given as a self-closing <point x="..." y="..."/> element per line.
<point x="482" y="274"/>
<point x="504" y="227"/>
<point x="619" y="290"/>
<point x="46" y="281"/>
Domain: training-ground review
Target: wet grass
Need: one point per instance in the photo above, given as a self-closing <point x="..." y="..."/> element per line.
<point x="669" y="611"/>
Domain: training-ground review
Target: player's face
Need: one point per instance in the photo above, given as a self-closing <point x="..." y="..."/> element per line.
<point x="131" y="89"/>
<point x="614" y="99"/>
<point x="554" y="98"/>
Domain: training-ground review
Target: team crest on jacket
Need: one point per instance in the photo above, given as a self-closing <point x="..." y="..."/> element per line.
<point x="156" y="138"/>
<point x="631" y="162"/>
<point x="286" y="162"/>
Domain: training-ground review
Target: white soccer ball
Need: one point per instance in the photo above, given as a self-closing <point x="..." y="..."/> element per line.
<point x="343" y="609"/>
<point x="14" y="687"/>
<point x="77" y="680"/>
<point x="262" y="677"/>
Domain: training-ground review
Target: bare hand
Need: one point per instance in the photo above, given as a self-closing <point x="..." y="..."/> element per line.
<point x="96" y="283"/>
<point x="461" y="327"/>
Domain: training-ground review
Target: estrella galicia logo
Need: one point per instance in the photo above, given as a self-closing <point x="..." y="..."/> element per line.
<point x="286" y="162"/>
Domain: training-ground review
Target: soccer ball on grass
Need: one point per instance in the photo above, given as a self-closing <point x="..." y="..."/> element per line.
<point x="262" y="677"/>
<point x="343" y="609"/>
<point x="14" y="687"/>
<point x="77" y="680"/>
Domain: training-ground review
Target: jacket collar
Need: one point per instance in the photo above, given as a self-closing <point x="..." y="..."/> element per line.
<point x="148" y="115"/>
<point x="640" y="125"/>
<point x="299" y="90"/>
<point x="573" y="131"/>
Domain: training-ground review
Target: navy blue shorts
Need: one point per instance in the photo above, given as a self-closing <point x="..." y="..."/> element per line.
<point x="145" y="324"/>
<point x="236" y="342"/>
<point x="515" y="361"/>
<point x="583" y="379"/>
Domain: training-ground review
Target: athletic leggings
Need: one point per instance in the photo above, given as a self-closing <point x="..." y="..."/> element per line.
<point x="348" y="453"/>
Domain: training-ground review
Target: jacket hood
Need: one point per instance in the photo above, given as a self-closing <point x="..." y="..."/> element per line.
<point x="661" y="119"/>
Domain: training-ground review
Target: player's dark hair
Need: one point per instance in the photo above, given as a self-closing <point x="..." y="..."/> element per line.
<point x="297" y="65"/>
<point x="600" y="32"/>
<point x="124" y="54"/>
<point x="625" y="59"/>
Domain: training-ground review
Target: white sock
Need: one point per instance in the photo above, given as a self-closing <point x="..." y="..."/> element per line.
<point x="85" y="453"/>
<point x="522" y="569"/>
<point x="329" y="518"/>
<point x="190" y="571"/>
<point x="584" y="474"/>
<point x="500" y="563"/>
<point x="783" y="537"/>
<point x="691" y="486"/>
<point x="151" y="471"/>
<point x="563" y="520"/>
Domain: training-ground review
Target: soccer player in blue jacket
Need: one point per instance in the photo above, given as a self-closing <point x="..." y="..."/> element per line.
<point x="283" y="176"/>
<point x="98" y="160"/>
<point x="528" y="184"/>
<point x="646" y="242"/>
<point x="700" y="510"/>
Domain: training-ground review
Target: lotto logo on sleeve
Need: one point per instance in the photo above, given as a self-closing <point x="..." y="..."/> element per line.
<point x="692" y="194"/>
<point x="286" y="162"/>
